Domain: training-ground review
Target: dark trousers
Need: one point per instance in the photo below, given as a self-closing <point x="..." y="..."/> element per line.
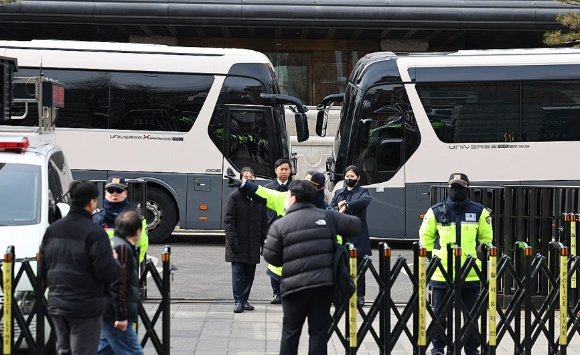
<point x="312" y="303"/>
<point x="275" y="286"/>
<point x="361" y="281"/>
<point x="78" y="336"/>
<point x="469" y="297"/>
<point x="242" y="280"/>
<point x="274" y="281"/>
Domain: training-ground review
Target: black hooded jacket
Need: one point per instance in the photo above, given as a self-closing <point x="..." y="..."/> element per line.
<point x="302" y="241"/>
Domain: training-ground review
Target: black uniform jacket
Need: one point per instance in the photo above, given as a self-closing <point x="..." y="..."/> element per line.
<point x="78" y="265"/>
<point x="357" y="199"/>
<point x="122" y="303"/>
<point x="302" y="241"/>
<point x="246" y="223"/>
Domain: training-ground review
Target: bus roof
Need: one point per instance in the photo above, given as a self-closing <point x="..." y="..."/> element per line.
<point x="136" y="56"/>
<point x="126" y="47"/>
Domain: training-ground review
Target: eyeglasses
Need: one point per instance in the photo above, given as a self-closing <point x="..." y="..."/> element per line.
<point x="114" y="190"/>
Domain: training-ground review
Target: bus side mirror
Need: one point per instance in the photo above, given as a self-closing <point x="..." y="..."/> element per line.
<point x="62" y="210"/>
<point x="301" y="126"/>
<point x="364" y="133"/>
<point x="322" y="122"/>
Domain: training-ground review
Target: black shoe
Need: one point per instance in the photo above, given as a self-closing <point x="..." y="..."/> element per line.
<point x="248" y="306"/>
<point x="276" y="299"/>
<point x="361" y="301"/>
<point x="238" y="308"/>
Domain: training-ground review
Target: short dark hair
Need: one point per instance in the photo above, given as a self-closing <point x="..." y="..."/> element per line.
<point x="246" y="169"/>
<point x="302" y="190"/>
<point x="352" y="168"/>
<point x="128" y="223"/>
<point x="282" y="161"/>
<point x="81" y="192"/>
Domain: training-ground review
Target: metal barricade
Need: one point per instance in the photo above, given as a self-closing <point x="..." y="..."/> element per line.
<point x="32" y="317"/>
<point x="517" y="319"/>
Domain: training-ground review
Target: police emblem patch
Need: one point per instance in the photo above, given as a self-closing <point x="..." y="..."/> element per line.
<point x="488" y="219"/>
<point x="470" y="217"/>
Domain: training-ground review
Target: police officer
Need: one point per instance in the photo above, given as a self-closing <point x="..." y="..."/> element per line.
<point x="114" y="203"/>
<point x="438" y="229"/>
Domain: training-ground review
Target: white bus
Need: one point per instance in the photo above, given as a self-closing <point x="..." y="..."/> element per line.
<point x="180" y="118"/>
<point x="409" y="121"/>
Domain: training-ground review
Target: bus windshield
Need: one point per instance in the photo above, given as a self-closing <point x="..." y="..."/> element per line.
<point x="19" y="184"/>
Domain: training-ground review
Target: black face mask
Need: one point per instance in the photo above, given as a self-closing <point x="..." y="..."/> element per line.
<point x="457" y="193"/>
<point x="350" y="182"/>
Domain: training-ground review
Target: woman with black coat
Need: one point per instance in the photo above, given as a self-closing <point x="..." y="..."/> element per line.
<point x="354" y="200"/>
<point x="246" y="226"/>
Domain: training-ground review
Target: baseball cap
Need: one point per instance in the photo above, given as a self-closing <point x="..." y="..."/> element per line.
<point x="315" y="177"/>
<point x="459" y="179"/>
<point x="116" y="181"/>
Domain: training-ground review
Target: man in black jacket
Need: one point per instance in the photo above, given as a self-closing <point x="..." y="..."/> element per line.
<point x="283" y="178"/>
<point x="245" y="223"/>
<point x="118" y="335"/>
<point x="303" y="242"/>
<point x="77" y="263"/>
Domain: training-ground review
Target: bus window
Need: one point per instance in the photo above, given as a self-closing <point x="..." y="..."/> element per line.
<point x="86" y="98"/>
<point x="551" y="111"/>
<point x="390" y="135"/>
<point x="128" y="101"/>
<point x="248" y="134"/>
<point x="473" y="112"/>
<point x="156" y="101"/>
<point x="248" y="139"/>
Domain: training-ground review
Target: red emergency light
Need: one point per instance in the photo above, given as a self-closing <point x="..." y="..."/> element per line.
<point x="14" y="143"/>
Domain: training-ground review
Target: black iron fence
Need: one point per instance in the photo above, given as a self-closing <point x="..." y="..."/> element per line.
<point x="520" y="320"/>
<point x="25" y="317"/>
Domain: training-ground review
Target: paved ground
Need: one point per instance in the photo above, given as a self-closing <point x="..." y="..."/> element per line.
<point x="205" y="328"/>
<point x="203" y="322"/>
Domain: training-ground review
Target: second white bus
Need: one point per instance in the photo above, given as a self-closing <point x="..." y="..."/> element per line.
<point x="499" y="116"/>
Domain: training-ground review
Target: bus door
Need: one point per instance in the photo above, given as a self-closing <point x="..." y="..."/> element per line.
<point x="386" y="136"/>
<point x="250" y="138"/>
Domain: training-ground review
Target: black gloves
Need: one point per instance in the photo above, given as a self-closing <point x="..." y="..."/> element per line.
<point x="233" y="182"/>
<point x="235" y="248"/>
<point x="482" y="252"/>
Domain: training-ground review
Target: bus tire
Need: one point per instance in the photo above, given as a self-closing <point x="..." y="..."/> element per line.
<point x="161" y="215"/>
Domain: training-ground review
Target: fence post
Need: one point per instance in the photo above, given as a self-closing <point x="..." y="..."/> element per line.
<point x="351" y="310"/>
<point x="385" y="317"/>
<point x="450" y="272"/>
<point x="8" y="280"/>
<point x="563" y="300"/>
<point x="39" y="291"/>
<point x="553" y="267"/>
<point x="166" y="299"/>
<point x="528" y="300"/>
<point x="572" y="218"/>
<point x="492" y="300"/>
<point x="422" y="281"/>
<point x="457" y="285"/>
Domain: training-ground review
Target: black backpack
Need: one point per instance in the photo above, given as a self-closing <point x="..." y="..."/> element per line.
<point x="343" y="287"/>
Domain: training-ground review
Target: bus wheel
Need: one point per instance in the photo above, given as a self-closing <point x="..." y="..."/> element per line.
<point x="161" y="215"/>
